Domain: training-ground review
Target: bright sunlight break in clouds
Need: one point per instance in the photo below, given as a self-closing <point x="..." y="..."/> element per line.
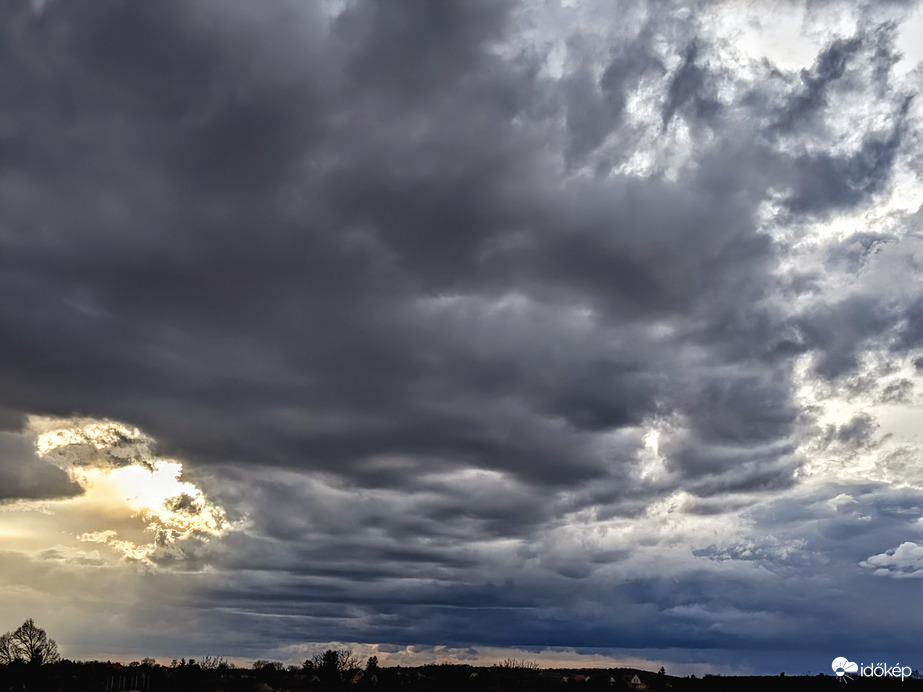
<point x="581" y="332"/>
<point x="111" y="463"/>
<point x="129" y="500"/>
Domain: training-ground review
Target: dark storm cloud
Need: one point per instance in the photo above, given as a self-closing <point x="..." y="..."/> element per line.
<point x="250" y="249"/>
<point x="387" y="250"/>
<point x="804" y="569"/>
<point x="688" y="89"/>
<point x="810" y="100"/>
<point x="876" y="310"/>
<point x="911" y="333"/>
<point x="24" y="475"/>
<point x="825" y="182"/>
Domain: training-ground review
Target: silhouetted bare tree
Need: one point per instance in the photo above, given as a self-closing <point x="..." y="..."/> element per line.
<point x="8" y="651"/>
<point x="334" y="664"/>
<point x="214" y="662"/>
<point x="28" y="643"/>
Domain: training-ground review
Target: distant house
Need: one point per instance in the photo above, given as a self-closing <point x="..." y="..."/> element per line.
<point x="636" y="683"/>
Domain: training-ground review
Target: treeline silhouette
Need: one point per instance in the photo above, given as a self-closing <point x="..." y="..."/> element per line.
<point x="29" y="661"/>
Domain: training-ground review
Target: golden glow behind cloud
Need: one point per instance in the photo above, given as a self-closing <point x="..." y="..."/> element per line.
<point x="152" y="513"/>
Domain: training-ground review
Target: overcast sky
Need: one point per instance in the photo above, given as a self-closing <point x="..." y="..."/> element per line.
<point x="582" y="331"/>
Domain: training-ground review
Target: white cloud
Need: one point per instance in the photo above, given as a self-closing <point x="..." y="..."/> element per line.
<point x="903" y="562"/>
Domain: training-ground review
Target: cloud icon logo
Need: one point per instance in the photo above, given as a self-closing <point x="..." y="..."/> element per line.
<point x="841" y="666"/>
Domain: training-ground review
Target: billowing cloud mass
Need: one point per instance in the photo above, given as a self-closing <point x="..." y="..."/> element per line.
<point x="464" y="327"/>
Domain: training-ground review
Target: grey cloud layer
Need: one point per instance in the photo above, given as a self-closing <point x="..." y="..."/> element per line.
<point x="390" y="247"/>
<point x="23" y="475"/>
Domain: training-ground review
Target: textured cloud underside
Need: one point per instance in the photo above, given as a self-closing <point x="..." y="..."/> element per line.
<point x="534" y="324"/>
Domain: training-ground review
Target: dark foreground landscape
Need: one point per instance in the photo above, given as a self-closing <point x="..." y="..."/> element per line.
<point x="67" y="676"/>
